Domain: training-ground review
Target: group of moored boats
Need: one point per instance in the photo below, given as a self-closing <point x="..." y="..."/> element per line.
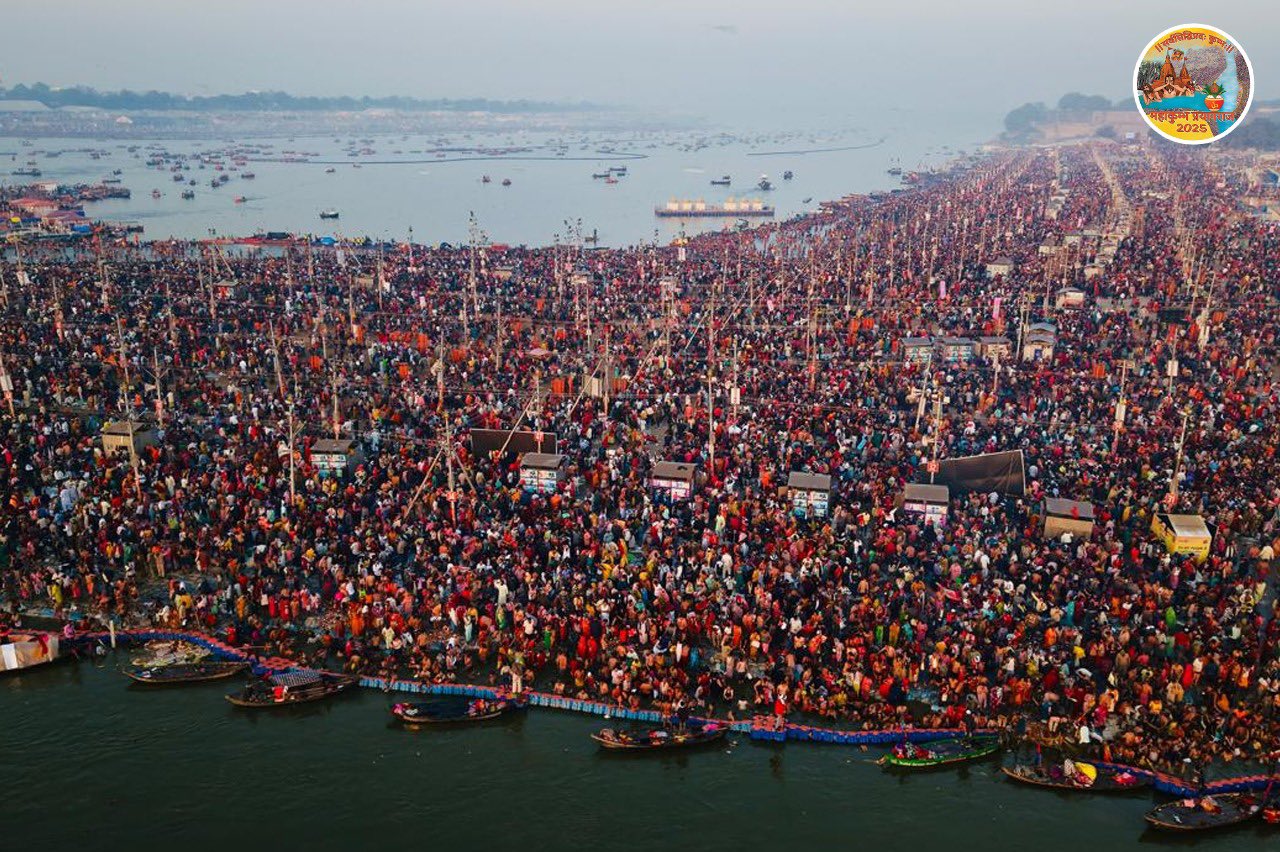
<point x="178" y="663"/>
<point x="1198" y="813"/>
<point x="174" y="663"/>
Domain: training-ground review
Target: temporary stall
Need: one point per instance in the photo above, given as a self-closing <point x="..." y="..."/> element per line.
<point x="1070" y="297"/>
<point x="541" y="472"/>
<point x="1183" y="534"/>
<point x="1067" y="516"/>
<point x="675" y="478"/>
<point x="999" y="266"/>
<point x="917" y="350"/>
<point x="955" y="350"/>
<point x="331" y="455"/>
<point x="117" y="434"/>
<point x="810" y="493"/>
<point x="927" y="502"/>
<point x="994" y="348"/>
<point x="1039" y="342"/>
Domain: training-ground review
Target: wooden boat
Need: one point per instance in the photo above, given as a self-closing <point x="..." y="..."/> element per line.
<point x="184" y="672"/>
<point x="1206" y="813"/>
<point x="288" y="688"/>
<point x="661" y="739"/>
<point x="25" y="649"/>
<point x="1083" y="777"/>
<point x="454" y="709"/>
<point x="940" y="753"/>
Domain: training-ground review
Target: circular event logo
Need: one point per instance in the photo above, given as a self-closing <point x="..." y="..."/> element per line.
<point x="1193" y="84"/>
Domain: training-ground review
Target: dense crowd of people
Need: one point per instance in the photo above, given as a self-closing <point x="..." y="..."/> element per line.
<point x="747" y="354"/>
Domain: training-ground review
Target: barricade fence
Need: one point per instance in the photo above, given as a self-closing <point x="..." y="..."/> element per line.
<point x="759" y="728"/>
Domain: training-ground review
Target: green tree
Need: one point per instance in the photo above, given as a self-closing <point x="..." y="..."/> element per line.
<point x="1087" y="103"/>
<point x="1024" y="119"/>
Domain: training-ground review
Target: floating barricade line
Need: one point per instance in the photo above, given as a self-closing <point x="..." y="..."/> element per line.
<point x="758" y="728"/>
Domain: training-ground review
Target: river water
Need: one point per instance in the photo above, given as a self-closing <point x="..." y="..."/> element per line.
<point x="433" y="190"/>
<point x="93" y="762"/>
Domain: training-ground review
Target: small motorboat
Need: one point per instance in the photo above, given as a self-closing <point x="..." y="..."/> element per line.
<point x="618" y="170"/>
<point x="896" y="171"/>
<point x="330" y="170"/>
<point x="1075" y="775"/>
<point x="188" y="194"/>
<point x="1205" y="813"/>
<point x="294" y="687"/>
<point x="155" y="193"/>
<point x="329" y="214"/>
<point x="506" y="181"/>
<point x="176" y="673"/>
<point x="611" y="179"/>
<point x="486" y="179"/>
<point x="601" y="175"/>
<point x="787" y="175"/>
<point x="661" y="739"/>
<point x="928" y="755"/>
<point x="724" y="181"/>
<point x="240" y="199"/>
<point x="763" y="184"/>
<point x="247" y="176"/>
<point x="455" y="709"/>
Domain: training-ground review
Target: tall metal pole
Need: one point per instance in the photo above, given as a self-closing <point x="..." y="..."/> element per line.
<point x="6" y="384"/>
<point x="1177" y="463"/>
<point x="1121" y="405"/>
<point x="128" y="413"/>
<point x="293" y="494"/>
<point x="155" y="369"/>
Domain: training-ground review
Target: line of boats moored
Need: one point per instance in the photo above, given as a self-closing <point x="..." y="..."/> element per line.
<point x="171" y="663"/>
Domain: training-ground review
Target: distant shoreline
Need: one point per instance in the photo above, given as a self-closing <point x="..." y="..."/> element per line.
<point x="874" y="144"/>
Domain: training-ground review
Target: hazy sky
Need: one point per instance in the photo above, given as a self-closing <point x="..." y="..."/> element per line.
<point x="718" y="58"/>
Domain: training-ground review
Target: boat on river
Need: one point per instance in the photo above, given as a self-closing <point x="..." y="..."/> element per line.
<point x="1206" y="813"/>
<point x="1077" y="776"/>
<point x="662" y="739"/>
<point x="288" y="688"/>
<point x="177" y="673"/>
<point x="940" y="752"/>
<point x="454" y="710"/>
<point x="26" y="649"/>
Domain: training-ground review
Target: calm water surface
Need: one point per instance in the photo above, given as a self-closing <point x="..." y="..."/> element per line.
<point x="91" y="762"/>
<point x="383" y="199"/>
